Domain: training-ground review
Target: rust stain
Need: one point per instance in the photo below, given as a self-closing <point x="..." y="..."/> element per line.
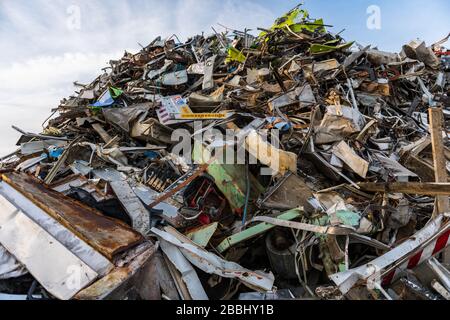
<point x="108" y="284"/>
<point x="108" y="236"/>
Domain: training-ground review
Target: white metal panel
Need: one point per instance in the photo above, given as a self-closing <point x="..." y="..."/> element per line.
<point x="213" y="264"/>
<point x="78" y="247"/>
<point x="188" y="273"/>
<point x="57" y="269"/>
<point x="9" y="266"/>
<point x="347" y="279"/>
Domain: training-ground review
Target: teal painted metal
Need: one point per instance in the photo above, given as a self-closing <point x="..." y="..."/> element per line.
<point x="203" y="234"/>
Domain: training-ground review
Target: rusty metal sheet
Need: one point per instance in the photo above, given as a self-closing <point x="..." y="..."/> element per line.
<point x="108" y="236"/>
<point x="291" y="192"/>
<point x="115" y="285"/>
<point x="96" y="261"/>
<point x="57" y="269"/>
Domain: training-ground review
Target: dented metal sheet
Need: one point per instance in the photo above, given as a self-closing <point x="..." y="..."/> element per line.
<point x="211" y="263"/>
<point x="394" y="168"/>
<point x="322" y="66"/>
<point x="107" y="236"/>
<point x="39" y="146"/>
<point x="339" y="122"/>
<point x="78" y="247"/>
<point x="9" y="266"/>
<point x="301" y="95"/>
<point x="344" y="152"/>
<point x="115" y="285"/>
<point x="174" y="78"/>
<point x="347" y="279"/>
<point x="125" y="116"/>
<point x="203" y="234"/>
<point x="147" y="196"/>
<point x="279" y="161"/>
<point x="188" y="273"/>
<point x="57" y="269"/>
<point x="27" y="164"/>
<point x="208" y="81"/>
<point x="291" y="192"/>
<point x="139" y="215"/>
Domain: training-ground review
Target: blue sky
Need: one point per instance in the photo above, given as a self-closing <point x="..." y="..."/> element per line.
<point x="41" y="56"/>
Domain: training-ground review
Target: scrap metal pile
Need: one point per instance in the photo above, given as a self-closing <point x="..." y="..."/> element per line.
<point x="332" y="185"/>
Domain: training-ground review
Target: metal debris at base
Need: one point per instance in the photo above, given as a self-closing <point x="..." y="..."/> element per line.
<point x="286" y="165"/>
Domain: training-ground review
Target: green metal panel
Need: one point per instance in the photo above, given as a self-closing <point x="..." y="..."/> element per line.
<point x="229" y="179"/>
<point x="202" y="235"/>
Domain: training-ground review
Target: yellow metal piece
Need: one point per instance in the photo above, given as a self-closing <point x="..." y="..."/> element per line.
<point x="235" y="55"/>
<point x="193" y="116"/>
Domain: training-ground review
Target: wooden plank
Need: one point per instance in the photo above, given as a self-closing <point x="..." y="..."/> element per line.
<point x="440" y="164"/>
<point x="101" y="132"/>
<point x="429" y="189"/>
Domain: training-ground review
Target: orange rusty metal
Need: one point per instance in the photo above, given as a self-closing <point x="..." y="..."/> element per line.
<point x="110" y="285"/>
<point x="106" y="235"/>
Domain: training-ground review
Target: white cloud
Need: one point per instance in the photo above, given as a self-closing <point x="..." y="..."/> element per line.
<point x="41" y="57"/>
<point x="29" y="90"/>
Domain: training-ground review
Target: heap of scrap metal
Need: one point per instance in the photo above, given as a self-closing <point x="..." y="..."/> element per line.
<point x="102" y="204"/>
